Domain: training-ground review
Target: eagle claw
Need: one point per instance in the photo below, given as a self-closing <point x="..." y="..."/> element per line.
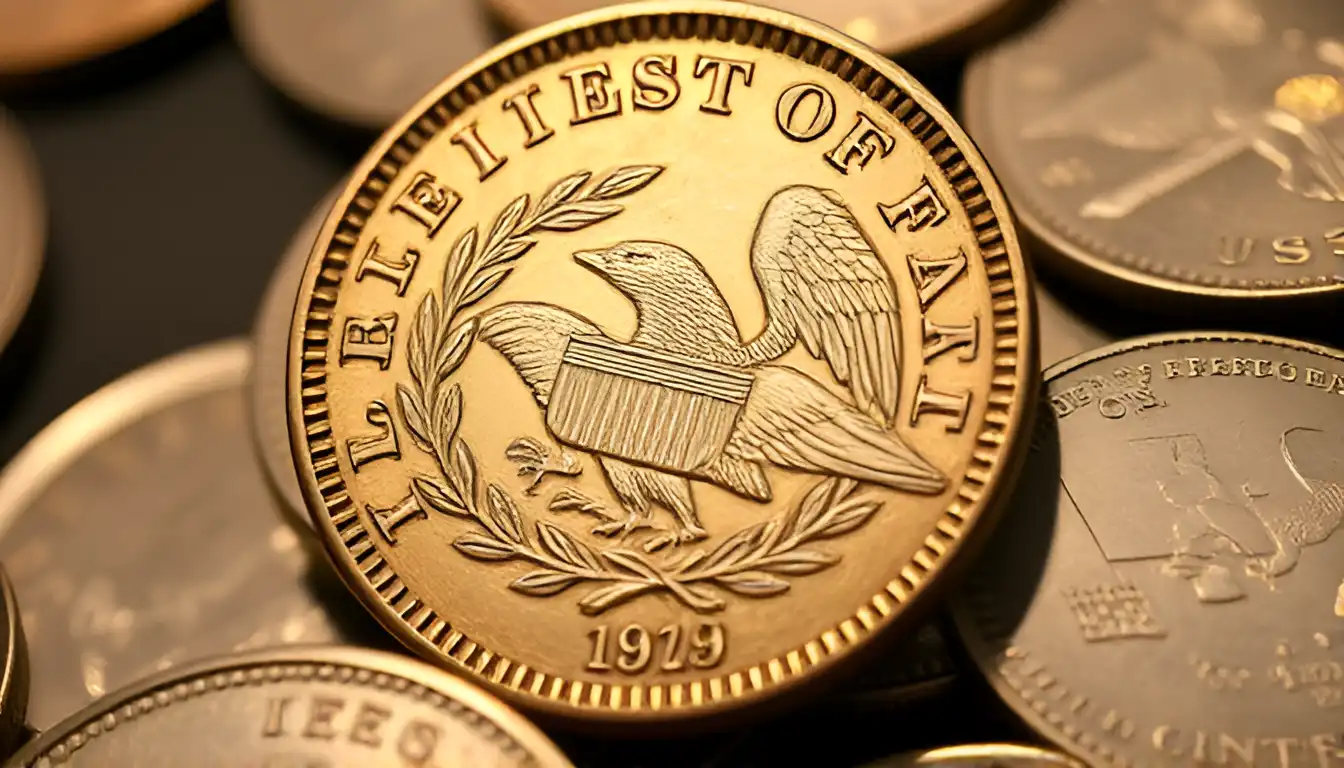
<point x="534" y="461"/>
<point x="681" y="536"/>
<point x="622" y="528"/>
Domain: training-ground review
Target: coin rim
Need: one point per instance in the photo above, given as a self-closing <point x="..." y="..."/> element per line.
<point x="965" y="618"/>
<point x="33" y="217"/>
<point x="1075" y="258"/>
<point x="957" y="755"/>
<point x="1010" y="395"/>
<point x="179" y="683"/>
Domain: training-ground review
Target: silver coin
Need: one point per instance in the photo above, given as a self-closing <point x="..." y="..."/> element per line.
<point x="360" y="62"/>
<point x="23" y="225"/>
<point x="139" y="533"/>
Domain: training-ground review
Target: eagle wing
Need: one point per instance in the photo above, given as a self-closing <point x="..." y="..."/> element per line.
<point x="794" y="422"/>
<point x="532" y="337"/>
<point x="819" y="273"/>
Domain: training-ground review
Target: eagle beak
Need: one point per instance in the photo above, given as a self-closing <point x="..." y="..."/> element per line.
<point x="593" y="260"/>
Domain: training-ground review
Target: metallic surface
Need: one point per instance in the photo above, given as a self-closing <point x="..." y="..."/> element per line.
<point x="38" y="36"/>
<point x="894" y="28"/>
<point x="362" y="62"/>
<point x="139" y="533"/>
<point x="266" y="383"/>
<point x="300" y="707"/>
<point x="505" y="519"/>
<point x="982" y="756"/>
<point x="1168" y="587"/>
<point x="23" y="225"/>
<point x="1197" y="147"/>
<point x="13" y="670"/>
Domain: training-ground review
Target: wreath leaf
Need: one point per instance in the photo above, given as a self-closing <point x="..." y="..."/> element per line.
<point x="754" y="584"/>
<point x="479" y="547"/>
<point x="624" y="181"/>
<point x="416" y="420"/>
<point x="574" y="216"/>
<point x="544" y="583"/>
<point x="562" y="190"/>
<point x="799" y="562"/>
<point x="504" y="513"/>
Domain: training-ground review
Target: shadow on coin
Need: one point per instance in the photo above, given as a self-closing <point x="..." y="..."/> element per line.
<point x="353" y="624"/>
<point x="24" y="352"/>
<point x="111" y="73"/>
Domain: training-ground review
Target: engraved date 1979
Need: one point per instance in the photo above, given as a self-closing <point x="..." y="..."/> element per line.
<point x="633" y="648"/>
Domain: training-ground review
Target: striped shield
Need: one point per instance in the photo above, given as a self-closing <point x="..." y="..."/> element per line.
<point x="663" y="410"/>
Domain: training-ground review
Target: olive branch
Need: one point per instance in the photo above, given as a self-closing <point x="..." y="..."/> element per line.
<point x="750" y="563"/>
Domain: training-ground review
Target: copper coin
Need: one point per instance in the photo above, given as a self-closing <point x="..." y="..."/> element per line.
<point x="49" y="34"/>
<point x="660" y="363"/>
<point x="266" y="386"/>
<point x="894" y="28"/>
<point x="23" y="224"/>
<point x="300" y="707"/>
<point x="139" y="533"/>
<point x="981" y="756"/>
<point x="361" y="62"/>
<point x="1176" y="148"/>
<point x="1168" y="587"/>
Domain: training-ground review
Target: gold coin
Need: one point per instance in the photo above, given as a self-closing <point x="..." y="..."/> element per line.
<point x="300" y="707"/>
<point x="982" y="756"/>
<point x="38" y="36"/>
<point x="661" y="362"/>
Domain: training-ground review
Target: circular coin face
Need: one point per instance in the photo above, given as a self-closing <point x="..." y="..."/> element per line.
<point x="23" y="225"/>
<point x="13" y="669"/>
<point x="47" y="35"/>
<point x="139" y="533"/>
<point x="1178" y="519"/>
<point x="639" y="394"/>
<point x="362" y="62"/>
<point x="266" y="388"/>
<point x="332" y="707"/>
<point x="892" y="28"/>
<point x="1197" y="147"/>
<point x="982" y="756"/>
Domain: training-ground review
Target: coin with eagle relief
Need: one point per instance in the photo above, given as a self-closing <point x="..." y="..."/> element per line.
<point x="662" y="363"/>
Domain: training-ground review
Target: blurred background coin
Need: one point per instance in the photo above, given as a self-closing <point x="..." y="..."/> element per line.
<point x="23" y="223"/>
<point x="982" y="756"/>
<point x="13" y="670"/>
<point x="535" y="378"/>
<point x="359" y="62"/>
<point x="1195" y="149"/>
<point x="266" y="385"/>
<point x="139" y="533"/>
<point x="300" y="707"/>
<point x="1163" y="590"/>
<point x="50" y="34"/>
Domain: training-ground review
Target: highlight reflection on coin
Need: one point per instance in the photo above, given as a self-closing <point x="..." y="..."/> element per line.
<point x="982" y="756"/>
<point x="13" y="669"/>
<point x="301" y="707"/>
<point x="266" y="387"/>
<point x="37" y="36"/>
<point x="23" y="225"/>
<point x="139" y="533"/>
<point x="695" y="359"/>
<point x="362" y="62"/>
<point x="1178" y="519"/>
<point x="894" y="28"/>
<point x="1196" y="148"/>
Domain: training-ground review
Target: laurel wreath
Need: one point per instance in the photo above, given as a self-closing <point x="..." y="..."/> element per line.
<point x="750" y="563"/>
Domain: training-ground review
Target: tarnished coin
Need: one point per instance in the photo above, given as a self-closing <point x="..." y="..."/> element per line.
<point x="361" y="62"/>
<point x="300" y="707"/>
<point x="266" y="385"/>
<point x="668" y="373"/>
<point x="139" y="533"/>
<point x="894" y="28"/>
<point x="1168" y="587"/>
<point x="13" y="669"/>
<point x="982" y="756"/>
<point x="38" y="36"/>
<point x="23" y="224"/>
<point x="1196" y="148"/>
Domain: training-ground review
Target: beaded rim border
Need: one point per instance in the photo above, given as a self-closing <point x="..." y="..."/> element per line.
<point x="992" y="461"/>
<point x="101" y="719"/>
<point x="974" y="611"/>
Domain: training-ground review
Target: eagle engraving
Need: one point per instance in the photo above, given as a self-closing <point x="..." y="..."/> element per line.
<point x="686" y="398"/>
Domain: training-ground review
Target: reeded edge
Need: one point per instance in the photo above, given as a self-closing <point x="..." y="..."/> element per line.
<point x="182" y="679"/>
<point x="1077" y="261"/>
<point x="14" y="678"/>
<point x="173" y="379"/>
<point x="977" y="753"/>
<point x="963" y="617"/>
<point x="86" y="48"/>
<point x="870" y="626"/>
<point x="33" y="209"/>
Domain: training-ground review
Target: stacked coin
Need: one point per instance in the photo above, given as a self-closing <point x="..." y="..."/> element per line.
<point x="673" y="374"/>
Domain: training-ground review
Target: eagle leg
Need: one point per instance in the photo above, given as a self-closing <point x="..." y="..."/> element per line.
<point x="622" y="527"/>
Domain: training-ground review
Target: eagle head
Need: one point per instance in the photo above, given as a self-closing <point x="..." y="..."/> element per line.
<point x="643" y="270"/>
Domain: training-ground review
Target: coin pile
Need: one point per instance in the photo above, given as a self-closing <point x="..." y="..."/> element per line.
<point x="671" y="375"/>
